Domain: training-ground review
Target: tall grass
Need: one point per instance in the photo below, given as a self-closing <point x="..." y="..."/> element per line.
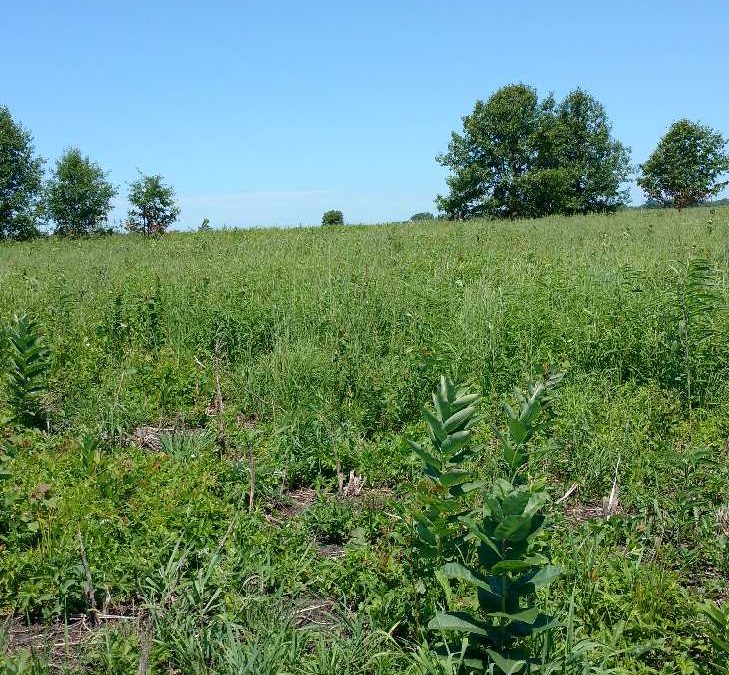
<point x="323" y="344"/>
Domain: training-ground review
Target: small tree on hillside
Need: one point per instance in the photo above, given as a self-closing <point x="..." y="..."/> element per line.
<point x="78" y="196"/>
<point x="153" y="206"/>
<point x="424" y="215"/>
<point x="686" y="166"/>
<point x="21" y="173"/>
<point x="332" y="218"/>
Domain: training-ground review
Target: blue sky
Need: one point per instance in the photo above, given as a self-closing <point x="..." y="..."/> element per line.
<point x="265" y="113"/>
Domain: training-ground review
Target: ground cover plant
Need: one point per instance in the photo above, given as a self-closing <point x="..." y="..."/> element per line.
<point x="205" y="467"/>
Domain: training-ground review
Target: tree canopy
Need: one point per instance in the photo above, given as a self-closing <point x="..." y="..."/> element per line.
<point x="154" y="207"/>
<point x="78" y="195"/>
<point x="21" y="173"/>
<point x="686" y="166"/>
<point x="332" y="217"/>
<point x="518" y="156"/>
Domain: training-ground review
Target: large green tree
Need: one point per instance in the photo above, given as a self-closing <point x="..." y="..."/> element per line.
<point x="78" y="195"/>
<point x="518" y="156"/>
<point x="21" y="174"/>
<point x="590" y="166"/>
<point x="491" y="157"/>
<point x="153" y="203"/>
<point x="686" y="166"/>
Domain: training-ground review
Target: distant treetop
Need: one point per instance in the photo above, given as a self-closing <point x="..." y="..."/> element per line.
<point x="332" y="218"/>
<point x="424" y="215"/>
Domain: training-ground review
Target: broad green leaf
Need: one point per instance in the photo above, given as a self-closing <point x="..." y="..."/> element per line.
<point x="528" y="616"/>
<point x="464" y="401"/>
<point x="425" y="534"/>
<point x="515" y="503"/>
<point x="454" y="478"/>
<point x="455" y="441"/>
<point x="441" y="406"/>
<point x="465" y="488"/>
<point x="518" y="565"/>
<point x="435" y="425"/>
<point x="513" y="528"/>
<point x="517" y="431"/>
<point x="540" y="578"/>
<point x="506" y="666"/>
<point x="424" y="455"/>
<point x="457" y="571"/>
<point x="459" y="621"/>
<point x="458" y="419"/>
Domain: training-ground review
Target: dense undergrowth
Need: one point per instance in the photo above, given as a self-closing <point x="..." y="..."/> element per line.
<point x="179" y="369"/>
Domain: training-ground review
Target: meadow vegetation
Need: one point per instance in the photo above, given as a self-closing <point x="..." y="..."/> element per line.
<point x="205" y="466"/>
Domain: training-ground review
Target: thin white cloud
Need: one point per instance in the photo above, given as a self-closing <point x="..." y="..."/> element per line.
<point x="253" y="196"/>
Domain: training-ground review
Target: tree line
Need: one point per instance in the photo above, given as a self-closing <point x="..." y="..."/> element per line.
<point x="517" y="156"/>
<point x="77" y="196"/>
<point x="521" y="157"/>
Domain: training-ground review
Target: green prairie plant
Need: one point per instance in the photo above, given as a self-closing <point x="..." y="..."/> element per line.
<point x="27" y="371"/>
<point x="698" y="301"/>
<point x="441" y="502"/>
<point x="490" y="544"/>
<point x="717" y="618"/>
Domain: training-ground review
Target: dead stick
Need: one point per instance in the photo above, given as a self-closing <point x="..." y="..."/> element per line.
<point x="566" y="495"/>
<point x="145" y="638"/>
<point x="89" y="591"/>
<point x="340" y="476"/>
<point x="252" y="471"/>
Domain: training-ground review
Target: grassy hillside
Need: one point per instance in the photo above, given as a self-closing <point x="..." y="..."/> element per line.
<point x="178" y="364"/>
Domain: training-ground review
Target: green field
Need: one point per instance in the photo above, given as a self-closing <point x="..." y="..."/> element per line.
<point x="301" y="355"/>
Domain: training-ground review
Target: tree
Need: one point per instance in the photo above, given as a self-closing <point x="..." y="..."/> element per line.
<point x="332" y="218"/>
<point x="21" y="173"/>
<point x="153" y="206"/>
<point x="425" y="215"/>
<point x="490" y="159"/>
<point x="686" y="166"/>
<point x="78" y="196"/>
<point x="588" y="167"/>
<point x="521" y="157"/>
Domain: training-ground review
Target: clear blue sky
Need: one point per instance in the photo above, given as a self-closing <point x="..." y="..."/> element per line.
<point x="264" y="113"/>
